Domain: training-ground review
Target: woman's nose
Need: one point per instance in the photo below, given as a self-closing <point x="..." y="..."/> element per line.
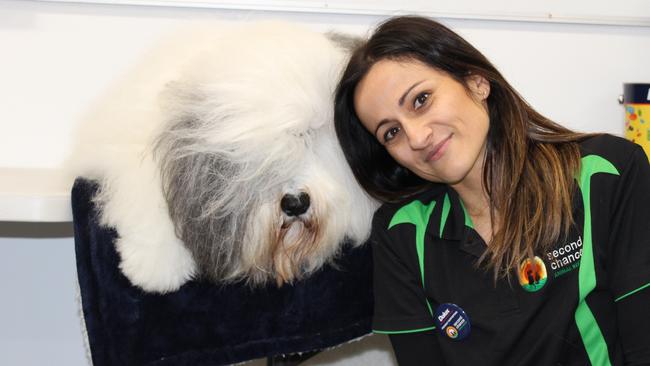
<point x="418" y="133"/>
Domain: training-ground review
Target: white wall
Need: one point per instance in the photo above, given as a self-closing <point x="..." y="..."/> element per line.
<point x="55" y="58"/>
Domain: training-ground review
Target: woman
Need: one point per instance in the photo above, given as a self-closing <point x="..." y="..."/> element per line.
<point x="505" y="238"/>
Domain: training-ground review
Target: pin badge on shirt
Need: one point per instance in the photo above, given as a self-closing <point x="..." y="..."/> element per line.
<point x="452" y="321"/>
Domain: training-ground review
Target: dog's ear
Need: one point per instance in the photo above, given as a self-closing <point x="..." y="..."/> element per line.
<point x="347" y="42"/>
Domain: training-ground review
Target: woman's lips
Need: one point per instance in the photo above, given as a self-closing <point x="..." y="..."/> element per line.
<point x="439" y="149"/>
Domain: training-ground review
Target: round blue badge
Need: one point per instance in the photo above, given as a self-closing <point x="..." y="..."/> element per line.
<point x="452" y="321"/>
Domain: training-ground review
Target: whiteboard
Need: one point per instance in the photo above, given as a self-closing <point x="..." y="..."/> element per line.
<point x="621" y="12"/>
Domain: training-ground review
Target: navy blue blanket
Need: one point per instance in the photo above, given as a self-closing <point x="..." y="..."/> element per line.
<point x="206" y="324"/>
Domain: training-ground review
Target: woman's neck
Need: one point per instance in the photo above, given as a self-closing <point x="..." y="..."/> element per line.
<point x="477" y="202"/>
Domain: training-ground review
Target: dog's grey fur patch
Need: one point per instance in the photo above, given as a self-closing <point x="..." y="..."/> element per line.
<point x="192" y="182"/>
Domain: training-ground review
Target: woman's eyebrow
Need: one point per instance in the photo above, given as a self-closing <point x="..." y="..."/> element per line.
<point x="381" y="123"/>
<point x="401" y="100"/>
<point x="401" y="103"/>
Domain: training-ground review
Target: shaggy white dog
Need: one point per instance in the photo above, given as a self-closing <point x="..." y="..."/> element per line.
<point x="217" y="158"/>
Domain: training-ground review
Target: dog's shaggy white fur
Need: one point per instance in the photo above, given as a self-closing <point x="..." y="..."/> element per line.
<point x="202" y="151"/>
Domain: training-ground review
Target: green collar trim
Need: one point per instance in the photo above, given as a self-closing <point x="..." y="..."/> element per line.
<point x="468" y="220"/>
<point x="446" y="206"/>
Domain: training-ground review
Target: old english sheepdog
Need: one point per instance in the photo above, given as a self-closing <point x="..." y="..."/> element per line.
<point x="217" y="159"/>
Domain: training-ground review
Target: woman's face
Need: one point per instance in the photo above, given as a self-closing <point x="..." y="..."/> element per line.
<point x="428" y="122"/>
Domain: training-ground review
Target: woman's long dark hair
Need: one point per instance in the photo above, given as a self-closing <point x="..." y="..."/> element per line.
<point x="530" y="160"/>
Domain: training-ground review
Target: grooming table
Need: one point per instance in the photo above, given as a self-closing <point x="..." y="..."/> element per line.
<point x="207" y="324"/>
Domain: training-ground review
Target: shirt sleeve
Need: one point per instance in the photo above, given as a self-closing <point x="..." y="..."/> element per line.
<point x="633" y="324"/>
<point x="400" y="302"/>
<point x="629" y="257"/>
<point x="416" y="349"/>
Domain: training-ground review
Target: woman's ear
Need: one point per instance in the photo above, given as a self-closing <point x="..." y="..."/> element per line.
<point x="479" y="86"/>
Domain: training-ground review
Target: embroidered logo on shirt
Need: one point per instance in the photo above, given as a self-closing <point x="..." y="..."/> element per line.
<point x="532" y="274"/>
<point x="566" y="258"/>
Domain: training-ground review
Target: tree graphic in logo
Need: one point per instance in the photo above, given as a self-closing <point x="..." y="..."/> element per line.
<point x="532" y="274"/>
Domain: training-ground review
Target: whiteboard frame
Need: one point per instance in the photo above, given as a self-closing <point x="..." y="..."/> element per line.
<point x="323" y="7"/>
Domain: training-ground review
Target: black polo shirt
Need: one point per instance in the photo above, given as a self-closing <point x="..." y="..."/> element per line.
<point x="559" y="308"/>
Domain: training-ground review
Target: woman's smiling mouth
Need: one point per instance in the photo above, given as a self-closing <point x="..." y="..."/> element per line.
<point x="439" y="149"/>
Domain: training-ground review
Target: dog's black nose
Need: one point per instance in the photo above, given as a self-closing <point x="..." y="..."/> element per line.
<point x="295" y="205"/>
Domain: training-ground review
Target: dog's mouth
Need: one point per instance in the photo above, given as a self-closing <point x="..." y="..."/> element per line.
<point x="288" y="221"/>
<point x="297" y="238"/>
<point x="296" y="243"/>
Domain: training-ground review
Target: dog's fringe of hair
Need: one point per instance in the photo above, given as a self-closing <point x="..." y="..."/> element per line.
<point x="211" y="192"/>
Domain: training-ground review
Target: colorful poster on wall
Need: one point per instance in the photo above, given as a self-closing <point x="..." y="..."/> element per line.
<point x="636" y="100"/>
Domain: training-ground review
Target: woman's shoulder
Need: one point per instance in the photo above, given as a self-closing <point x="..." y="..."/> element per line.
<point x="614" y="149"/>
<point x="622" y="154"/>
<point x="605" y="143"/>
<point x="387" y="210"/>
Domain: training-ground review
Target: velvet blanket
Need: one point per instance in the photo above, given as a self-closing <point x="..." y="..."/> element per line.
<point x="206" y="324"/>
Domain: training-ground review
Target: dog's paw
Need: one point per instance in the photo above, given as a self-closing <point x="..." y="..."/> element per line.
<point x="156" y="267"/>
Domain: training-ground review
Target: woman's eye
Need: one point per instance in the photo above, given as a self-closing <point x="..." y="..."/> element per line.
<point x="420" y="99"/>
<point x="390" y="133"/>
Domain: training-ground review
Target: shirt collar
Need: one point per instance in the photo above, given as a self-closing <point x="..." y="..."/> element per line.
<point x="453" y="218"/>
